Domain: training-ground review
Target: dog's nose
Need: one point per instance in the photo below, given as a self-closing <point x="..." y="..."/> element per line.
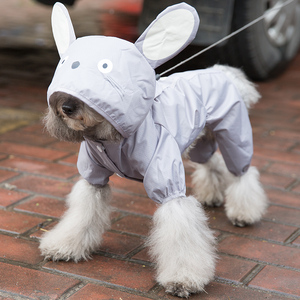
<point x="69" y="107"/>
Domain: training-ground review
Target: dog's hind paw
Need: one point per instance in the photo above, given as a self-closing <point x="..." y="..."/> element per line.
<point x="214" y="202"/>
<point x="180" y="290"/>
<point x="240" y="223"/>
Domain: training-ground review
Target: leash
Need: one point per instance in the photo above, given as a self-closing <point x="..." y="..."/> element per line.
<point x="225" y="38"/>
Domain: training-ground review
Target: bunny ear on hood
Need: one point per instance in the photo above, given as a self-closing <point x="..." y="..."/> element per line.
<point x="171" y="31"/>
<point x="62" y="28"/>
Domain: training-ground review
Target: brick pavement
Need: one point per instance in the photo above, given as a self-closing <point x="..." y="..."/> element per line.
<point x="37" y="172"/>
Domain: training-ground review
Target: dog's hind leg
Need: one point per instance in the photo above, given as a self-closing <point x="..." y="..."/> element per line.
<point x="80" y="230"/>
<point x="246" y="201"/>
<point x="209" y="181"/>
<point x="183" y="247"/>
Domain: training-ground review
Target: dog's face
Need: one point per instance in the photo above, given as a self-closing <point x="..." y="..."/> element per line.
<point x="70" y="119"/>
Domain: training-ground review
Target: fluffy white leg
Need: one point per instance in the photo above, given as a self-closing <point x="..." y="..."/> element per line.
<point x="183" y="247"/>
<point x="80" y="230"/>
<point x="246" y="201"/>
<point x="209" y="181"/>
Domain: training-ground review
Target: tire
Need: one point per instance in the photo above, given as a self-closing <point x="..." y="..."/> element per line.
<point x="51" y="2"/>
<point x="263" y="50"/>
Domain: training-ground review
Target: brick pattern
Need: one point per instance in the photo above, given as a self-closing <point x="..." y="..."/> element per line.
<point x="33" y="284"/>
<point x="37" y="172"/>
<point x="91" y="291"/>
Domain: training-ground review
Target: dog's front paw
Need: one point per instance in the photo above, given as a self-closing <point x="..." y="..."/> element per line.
<point x="55" y="253"/>
<point x="180" y="289"/>
<point x="55" y="247"/>
<point x="59" y="251"/>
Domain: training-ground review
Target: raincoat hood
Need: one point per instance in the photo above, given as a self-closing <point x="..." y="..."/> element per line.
<point x="113" y="76"/>
<point x="111" y="82"/>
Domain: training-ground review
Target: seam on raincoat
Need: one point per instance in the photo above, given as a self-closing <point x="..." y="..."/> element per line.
<point x="91" y="104"/>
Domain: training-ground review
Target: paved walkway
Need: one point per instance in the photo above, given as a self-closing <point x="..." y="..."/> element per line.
<point x="37" y="172"/>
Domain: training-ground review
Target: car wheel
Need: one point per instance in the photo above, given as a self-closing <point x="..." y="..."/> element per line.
<point x="51" y="2"/>
<point x="266" y="48"/>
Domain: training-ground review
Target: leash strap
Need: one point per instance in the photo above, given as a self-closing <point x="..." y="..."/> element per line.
<point x="226" y="37"/>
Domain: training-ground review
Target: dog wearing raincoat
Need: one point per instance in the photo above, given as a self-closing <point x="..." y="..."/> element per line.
<point x="104" y="94"/>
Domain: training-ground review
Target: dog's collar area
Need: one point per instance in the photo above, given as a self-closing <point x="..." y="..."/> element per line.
<point x="98" y="141"/>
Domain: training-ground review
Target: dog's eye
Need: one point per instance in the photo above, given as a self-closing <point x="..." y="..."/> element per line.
<point x="63" y="61"/>
<point x="105" y="66"/>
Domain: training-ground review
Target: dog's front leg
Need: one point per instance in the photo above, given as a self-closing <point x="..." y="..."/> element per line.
<point x="182" y="246"/>
<point x="80" y="230"/>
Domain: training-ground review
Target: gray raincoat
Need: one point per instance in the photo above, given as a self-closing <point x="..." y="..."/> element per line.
<point x="158" y="119"/>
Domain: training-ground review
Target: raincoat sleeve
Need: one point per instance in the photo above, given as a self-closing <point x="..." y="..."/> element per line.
<point x="227" y="117"/>
<point x="90" y="169"/>
<point x="164" y="178"/>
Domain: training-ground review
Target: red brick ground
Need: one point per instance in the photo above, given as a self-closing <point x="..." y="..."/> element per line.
<point x="37" y="171"/>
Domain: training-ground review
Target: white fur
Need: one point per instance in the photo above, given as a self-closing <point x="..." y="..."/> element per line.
<point x="209" y="181"/>
<point x="80" y="230"/>
<point x="182" y="245"/>
<point x="246" y="201"/>
<point x="245" y="87"/>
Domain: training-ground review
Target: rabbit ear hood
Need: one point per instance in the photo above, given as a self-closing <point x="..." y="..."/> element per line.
<point x="172" y="30"/>
<point x="111" y="76"/>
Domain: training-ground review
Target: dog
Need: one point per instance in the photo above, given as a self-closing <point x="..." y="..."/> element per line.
<point x="104" y="95"/>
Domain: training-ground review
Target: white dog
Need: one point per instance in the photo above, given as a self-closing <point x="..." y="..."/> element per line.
<point x="104" y="94"/>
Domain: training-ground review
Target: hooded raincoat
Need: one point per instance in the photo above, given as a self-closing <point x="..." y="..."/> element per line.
<point x="157" y="119"/>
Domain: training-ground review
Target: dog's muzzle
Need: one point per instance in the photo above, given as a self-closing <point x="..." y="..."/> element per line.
<point x="69" y="107"/>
